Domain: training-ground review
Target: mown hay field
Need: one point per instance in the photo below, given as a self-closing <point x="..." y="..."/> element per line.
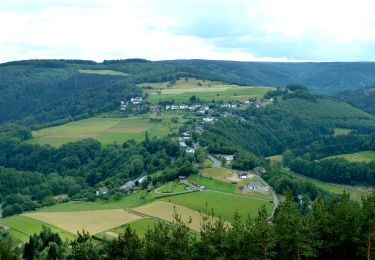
<point x="94" y="222"/>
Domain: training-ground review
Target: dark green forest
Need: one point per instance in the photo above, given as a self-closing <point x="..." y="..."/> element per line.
<point x="363" y="98"/>
<point x="49" y="92"/>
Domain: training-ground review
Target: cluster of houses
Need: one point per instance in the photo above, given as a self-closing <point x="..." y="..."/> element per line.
<point x="126" y="187"/>
<point x="195" y="107"/>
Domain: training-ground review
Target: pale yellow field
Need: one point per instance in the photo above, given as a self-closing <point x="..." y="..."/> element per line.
<point x="165" y="210"/>
<point x="220" y="174"/>
<point x="94" y="222"/>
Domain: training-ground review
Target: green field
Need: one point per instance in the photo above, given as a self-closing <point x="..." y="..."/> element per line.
<point x="139" y="226"/>
<point x="355" y="194"/>
<point x="365" y="156"/>
<point x="341" y="131"/>
<point x="22" y="227"/>
<point x="212" y="184"/>
<point x="172" y="187"/>
<point x="104" y="72"/>
<point x="223" y="204"/>
<point x="106" y="130"/>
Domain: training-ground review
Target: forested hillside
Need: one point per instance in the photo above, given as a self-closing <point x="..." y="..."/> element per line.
<point x="290" y="122"/>
<point x="47" y="92"/>
<point x="363" y="98"/>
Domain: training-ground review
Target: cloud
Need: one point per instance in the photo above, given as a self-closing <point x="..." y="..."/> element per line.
<point x="207" y="29"/>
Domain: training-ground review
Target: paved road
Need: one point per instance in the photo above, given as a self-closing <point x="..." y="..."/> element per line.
<point x="274" y="196"/>
<point x="217" y="163"/>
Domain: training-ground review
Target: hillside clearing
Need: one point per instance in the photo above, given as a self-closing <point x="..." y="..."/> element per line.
<point x="104" y="72"/>
<point x="364" y="156"/>
<point x="341" y="131"/>
<point x="94" y="221"/>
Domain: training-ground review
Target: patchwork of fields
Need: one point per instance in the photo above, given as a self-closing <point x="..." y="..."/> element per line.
<point x="183" y="89"/>
<point x="106" y="130"/>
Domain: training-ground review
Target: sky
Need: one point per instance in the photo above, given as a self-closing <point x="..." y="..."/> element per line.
<point x="244" y="30"/>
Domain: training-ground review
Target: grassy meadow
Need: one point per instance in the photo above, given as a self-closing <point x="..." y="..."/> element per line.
<point x="223" y="204"/>
<point x="182" y="90"/>
<point x="364" y="156"/>
<point x="140" y="227"/>
<point x="106" y="130"/>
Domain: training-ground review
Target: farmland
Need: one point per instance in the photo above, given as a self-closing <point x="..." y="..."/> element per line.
<point x="139" y="226"/>
<point x="165" y="210"/>
<point x="92" y="221"/>
<point x="21" y="227"/>
<point x="364" y="156"/>
<point x="182" y="90"/>
<point x="223" y="204"/>
<point x="106" y="130"/>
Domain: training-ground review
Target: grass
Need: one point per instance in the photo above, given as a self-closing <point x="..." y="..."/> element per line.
<point x="104" y="72"/>
<point x="223" y="204"/>
<point x="184" y="88"/>
<point x="221" y="174"/>
<point x="225" y="180"/>
<point x="164" y="210"/>
<point x="355" y="194"/>
<point x="212" y="184"/>
<point x="172" y="187"/>
<point x="106" y="130"/>
<point x="275" y="158"/>
<point x="364" y="156"/>
<point x="135" y="199"/>
<point x="341" y="131"/>
<point x="220" y="92"/>
<point x="139" y="226"/>
<point x="22" y="227"/>
<point x="94" y="221"/>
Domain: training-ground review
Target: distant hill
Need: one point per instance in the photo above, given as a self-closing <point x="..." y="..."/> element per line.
<point x="51" y="92"/>
<point x="363" y="98"/>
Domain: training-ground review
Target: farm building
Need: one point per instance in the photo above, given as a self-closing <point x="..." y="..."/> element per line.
<point x="128" y="186"/>
<point x="242" y="175"/>
<point x="142" y="179"/>
<point x="190" y="150"/>
<point x="102" y="191"/>
<point x="255" y="185"/>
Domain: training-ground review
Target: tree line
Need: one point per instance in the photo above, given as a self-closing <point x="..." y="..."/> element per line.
<point x="337" y="229"/>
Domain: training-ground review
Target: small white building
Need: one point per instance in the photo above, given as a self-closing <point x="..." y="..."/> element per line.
<point x="136" y="100"/>
<point x="190" y="150"/>
<point x="102" y="191"/>
<point x="208" y="119"/>
<point x="182" y="144"/>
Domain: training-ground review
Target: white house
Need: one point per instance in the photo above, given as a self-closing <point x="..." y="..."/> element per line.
<point x="190" y="150"/>
<point x="102" y="191"/>
<point x="136" y="100"/>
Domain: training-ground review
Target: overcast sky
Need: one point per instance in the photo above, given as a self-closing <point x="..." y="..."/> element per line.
<point x="246" y="30"/>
